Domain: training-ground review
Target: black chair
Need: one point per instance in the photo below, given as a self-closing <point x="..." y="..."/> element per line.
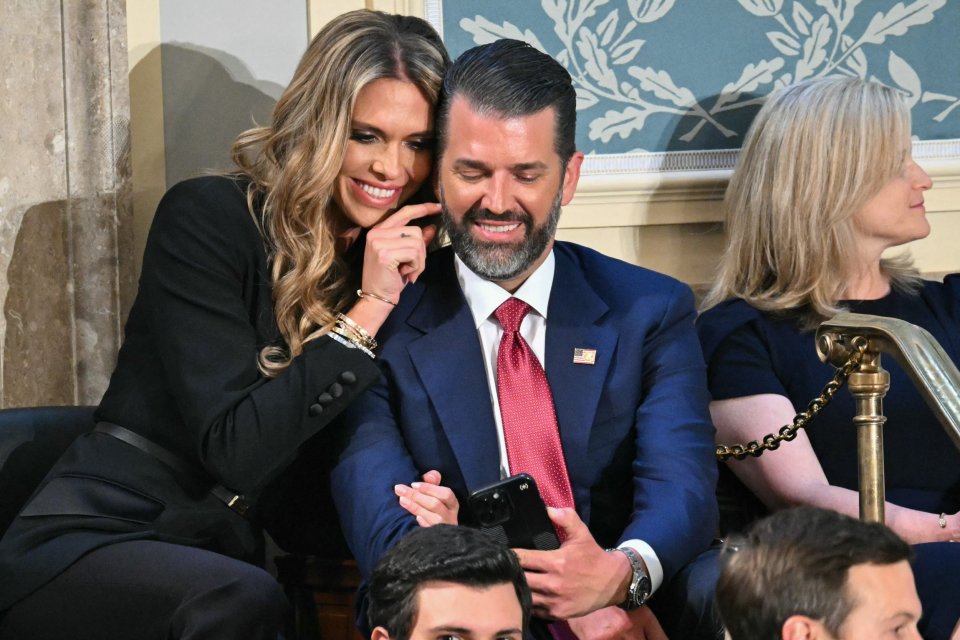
<point x="31" y="440"/>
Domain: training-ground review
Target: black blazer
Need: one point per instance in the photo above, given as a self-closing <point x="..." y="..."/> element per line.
<point x="187" y="379"/>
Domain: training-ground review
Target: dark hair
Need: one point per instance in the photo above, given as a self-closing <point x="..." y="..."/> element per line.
<point x="508" y="79"/>
<point x="442" y="552"/>
<point x="796" y="562"/>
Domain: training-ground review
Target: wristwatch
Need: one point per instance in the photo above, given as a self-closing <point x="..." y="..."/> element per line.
<point x="640" y="585"/>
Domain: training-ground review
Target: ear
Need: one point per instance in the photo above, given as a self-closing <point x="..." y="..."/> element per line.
<point x="799" y="627"/>
<point x="571" y="176"/>
<point x="379" y="633"/>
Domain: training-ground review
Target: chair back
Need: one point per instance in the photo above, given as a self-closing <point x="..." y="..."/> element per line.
<point x="31" y="440"/>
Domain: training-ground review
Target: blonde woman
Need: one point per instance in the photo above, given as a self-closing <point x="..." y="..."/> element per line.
<point x="824" y="185"/>
<point x="254" y="326"/>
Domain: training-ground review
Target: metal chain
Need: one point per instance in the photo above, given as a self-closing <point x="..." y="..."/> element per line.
<point x="771" y="442"/>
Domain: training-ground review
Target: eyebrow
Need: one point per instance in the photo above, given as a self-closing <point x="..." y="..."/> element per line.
<point x="467" y="163"/>
<point x="357" y="124"/>
<point x="469" y="633"/>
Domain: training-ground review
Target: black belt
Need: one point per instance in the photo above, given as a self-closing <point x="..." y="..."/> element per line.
<point x="233" y="500"/>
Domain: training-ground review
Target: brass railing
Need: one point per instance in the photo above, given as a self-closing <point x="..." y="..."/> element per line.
<point x="924" y="360"/>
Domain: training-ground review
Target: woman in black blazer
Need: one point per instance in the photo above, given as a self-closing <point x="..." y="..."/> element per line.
<point x="260" y="296"/>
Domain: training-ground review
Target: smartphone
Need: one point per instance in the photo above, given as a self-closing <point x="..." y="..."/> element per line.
<point x="512" y="512"/>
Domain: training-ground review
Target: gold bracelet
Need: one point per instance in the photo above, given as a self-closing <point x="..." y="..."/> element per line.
<point x="366" y="294"/>
<point x="347" y="340"/>
<point x="942" y="521"/>
<point x="364" y="338"/>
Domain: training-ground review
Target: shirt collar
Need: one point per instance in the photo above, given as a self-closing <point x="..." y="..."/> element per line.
<point x="483" y="296"/>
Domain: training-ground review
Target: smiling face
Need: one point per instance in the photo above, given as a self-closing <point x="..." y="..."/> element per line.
<point x="501" y="185"/>
<point x="389" y="152"/>
<point x="895" y="214"/>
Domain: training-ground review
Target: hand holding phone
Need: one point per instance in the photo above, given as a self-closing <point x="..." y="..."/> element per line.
<point x="512" y="511"/>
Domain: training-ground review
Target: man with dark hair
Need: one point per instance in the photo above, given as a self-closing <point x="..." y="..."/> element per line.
<point x="514" y="352"/>
<point x="817" y="574"/>
<point x="448" y="581"/>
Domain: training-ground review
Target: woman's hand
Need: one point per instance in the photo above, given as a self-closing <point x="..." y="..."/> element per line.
<point x="429" y="502"/>
<point x="396" y="251"/>
<point x="395" y="254"/>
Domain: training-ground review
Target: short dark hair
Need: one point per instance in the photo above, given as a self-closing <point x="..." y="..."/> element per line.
<point x="508" y="79"/>
<point x="796" y="562"/>
<point x="443" y="552"/>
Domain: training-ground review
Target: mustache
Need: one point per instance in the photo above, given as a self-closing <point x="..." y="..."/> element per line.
<point x="477" y="214"/>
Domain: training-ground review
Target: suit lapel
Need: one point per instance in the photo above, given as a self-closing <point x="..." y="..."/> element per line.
<point x="573" y="322"/>
<point x="449" y="361"/>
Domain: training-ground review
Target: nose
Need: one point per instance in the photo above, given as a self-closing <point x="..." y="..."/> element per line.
<point x="920" y="180"/>
<point x="390" y="163"/>
<point x="496" y="196"/>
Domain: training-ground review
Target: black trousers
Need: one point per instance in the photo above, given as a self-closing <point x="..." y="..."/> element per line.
<point x="152" y="590"/>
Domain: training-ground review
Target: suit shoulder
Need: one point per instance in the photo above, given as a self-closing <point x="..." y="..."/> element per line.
<point x="616" y="279"/>
<point x="213" y="203"/>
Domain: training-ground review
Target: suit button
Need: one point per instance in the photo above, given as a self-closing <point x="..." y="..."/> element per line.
<point x="315" y="410"/>
<point x="335" y="390"/>
<point x="324" y="399"/>
<point x="348" y="377"/>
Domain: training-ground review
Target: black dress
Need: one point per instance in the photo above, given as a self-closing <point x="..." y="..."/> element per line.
<point x="750" y="352"/>
<point x="187" y="379"/>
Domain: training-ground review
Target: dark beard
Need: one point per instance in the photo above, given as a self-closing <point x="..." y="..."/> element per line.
<point x="501" y="261"/>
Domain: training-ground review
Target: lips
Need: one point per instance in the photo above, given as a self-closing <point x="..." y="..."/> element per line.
<point x="381" y="195"/>
<point x="498" y="228"/>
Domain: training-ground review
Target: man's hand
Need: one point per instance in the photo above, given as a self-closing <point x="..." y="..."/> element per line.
<point x="579" y="577"/>
<point x="612" y="623"/>
<point x="428" y="502"/>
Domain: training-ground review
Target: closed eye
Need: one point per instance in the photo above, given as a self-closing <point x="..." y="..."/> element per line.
<point x="363" y="137"/>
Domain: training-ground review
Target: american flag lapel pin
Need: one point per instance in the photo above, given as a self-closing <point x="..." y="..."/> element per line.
<point x="584" y="356"/>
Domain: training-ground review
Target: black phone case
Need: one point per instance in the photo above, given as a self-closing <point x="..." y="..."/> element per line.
<point x="512" y="512"/>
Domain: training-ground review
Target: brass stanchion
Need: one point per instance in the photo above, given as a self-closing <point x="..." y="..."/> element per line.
<point x="868" y="386"/>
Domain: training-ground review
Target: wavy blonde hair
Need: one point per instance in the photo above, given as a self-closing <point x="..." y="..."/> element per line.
<point x="292" y="163"/>
<point x="815" y="154"/>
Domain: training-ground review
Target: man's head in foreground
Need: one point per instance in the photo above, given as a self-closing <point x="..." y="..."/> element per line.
<point x="811" y="573"/>
<point x="448" y="581"/>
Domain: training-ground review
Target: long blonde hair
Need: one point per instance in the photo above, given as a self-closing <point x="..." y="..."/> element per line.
<point x="292" y="163"/>
<point x="815" y="154"/>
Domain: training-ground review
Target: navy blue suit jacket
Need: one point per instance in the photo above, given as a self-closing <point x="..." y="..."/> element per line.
<point x="635" y="427"/>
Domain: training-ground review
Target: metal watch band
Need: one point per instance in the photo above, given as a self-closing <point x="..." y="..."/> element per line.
<point x="640" y="586"/>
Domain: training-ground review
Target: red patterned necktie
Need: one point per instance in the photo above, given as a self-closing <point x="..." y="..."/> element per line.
<point x="526" y="408"/>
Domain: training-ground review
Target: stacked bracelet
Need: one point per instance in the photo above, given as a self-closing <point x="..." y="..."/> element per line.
<point x="366" y="294"/>
<point x="353" y="331"/>
<point x="347" y="341"/>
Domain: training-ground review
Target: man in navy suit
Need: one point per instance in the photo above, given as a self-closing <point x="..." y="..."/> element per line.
<point x="616" y="341"/>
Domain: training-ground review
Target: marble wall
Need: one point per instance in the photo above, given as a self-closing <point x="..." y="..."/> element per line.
<point x="66" y="258"/>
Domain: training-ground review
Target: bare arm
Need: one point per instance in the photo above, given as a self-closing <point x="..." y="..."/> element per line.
<point x="792" y="475"/>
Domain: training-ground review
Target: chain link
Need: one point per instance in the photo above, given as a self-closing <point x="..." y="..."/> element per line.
<point x="771" y="442"/>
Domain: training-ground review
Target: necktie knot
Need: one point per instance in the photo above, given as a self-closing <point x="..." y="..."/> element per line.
<point x="511" y="313"/>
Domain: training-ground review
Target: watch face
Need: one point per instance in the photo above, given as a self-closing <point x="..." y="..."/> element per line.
<point x="643" y="589"/>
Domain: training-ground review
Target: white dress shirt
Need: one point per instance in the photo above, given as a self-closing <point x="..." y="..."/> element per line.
<point x="483" y="297"/>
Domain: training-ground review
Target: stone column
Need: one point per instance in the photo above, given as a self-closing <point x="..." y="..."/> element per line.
<point x="65" y="247"/>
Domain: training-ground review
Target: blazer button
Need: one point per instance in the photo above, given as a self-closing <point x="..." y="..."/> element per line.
<point x="324" y="399"/>
<point x="348" y="377"/>
<point x="335" y="390"/>
<point x="315" y="410"/>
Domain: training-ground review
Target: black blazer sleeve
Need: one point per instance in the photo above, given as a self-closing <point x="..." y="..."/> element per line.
<point x="202" y="314"/>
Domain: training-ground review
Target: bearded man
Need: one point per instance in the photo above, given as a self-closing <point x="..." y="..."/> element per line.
<point x="514" y="353"/>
